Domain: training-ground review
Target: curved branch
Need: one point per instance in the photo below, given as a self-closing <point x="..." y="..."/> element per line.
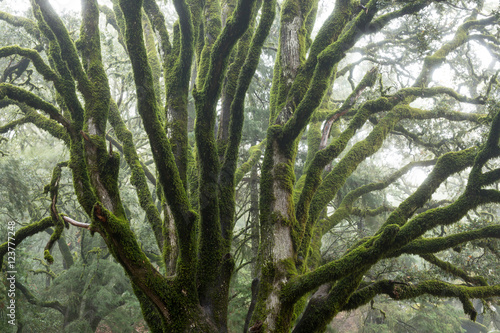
<point x="158" y="21"/>
<point x="413" y="7"/>
<point x="430" y="92"/>
<point x="26" y="232"/>
<point x="24" y="96"/>
<point x="353" y="262"/>
<point x="40" y="121"/>
<point x="345" y="208"/>
<point x="367" y="81"/>
<point x="76" y="223"/>
<point x="424" y="246"/>
<point x="13" y="124"/>
<point x="449" y="268"/>
<point x="305" y="211"/>
<point x="255" y="155"/>
<point x="443" y="289"/>
<point x="111" y="19"/>
<point x="400" y="291"/>
<point x="35" y="58"/>
<point x="52" y="20"/>
<point x="17" y="21"/>
<point x="461" y="36"/>
<point x="53" y="188"/>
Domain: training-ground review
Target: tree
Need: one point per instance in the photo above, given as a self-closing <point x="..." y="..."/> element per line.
<point x="212" y="55"/>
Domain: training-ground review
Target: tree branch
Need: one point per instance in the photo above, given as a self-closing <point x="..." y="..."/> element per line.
<point x="26" y="232"/>
<point x="23" y="96"/>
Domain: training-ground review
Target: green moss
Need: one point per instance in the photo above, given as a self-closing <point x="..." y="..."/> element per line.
<point x="211" y="30"/>
<point x="28" y="25"/>
<point x="25" y="232"/>
<point x="169" y="177"/>
<point x="153" y="59"/>
<point x="48" y="257"/>
<point x="255" y="154"/>
<point x="138" y="177"/>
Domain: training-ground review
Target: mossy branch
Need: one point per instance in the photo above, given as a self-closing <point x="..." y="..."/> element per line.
<point x="26" y="232"/>
<point x="97" y="98"/>
<point x="415" y="138"/>
<point x="158" y="22"/>
<point x="111" y="19"/>
<point x="422" y="246"/>
<point x="149" y="175"/>
<point x="123" y="245"/>
<point x="445" y="215"/>
<point x="353" y="262"/>
<point x="446" y="165"/>
<point x="234" y="29"/>
<point x="207" y="17"/>
<point x="434" y="91"/>
<point x="321" y="310"/>
<point x="237" y="60"/>
<point x="138" y="173"/>
<point x="173" y="188"/>
<point x="13" y="124"/>
<point x="177" y="67"/>
<point x="23" y="96"/>
<point x="68" y="259"/>
<point x="255" y="155"/>
<point x="410" y="8"/>
<point x="47" y="269"/>
<point x="285" y="96"/>
<point x="401" y="291"/>
<point x="313" y="179"/>
<point x="370" y="212"/>
<point x="326" y="61"/>
<point x="332" y="29"/>
<point x="367" y="81"/>
<point x="17" y="21"/>
<point x="211" y="238"/>
<point x="324" y="191"/>
<point x="66" y="44"/>
<point x="443" y="289"/>
<point x="50" y="273"/>
<point x="453" y="270"/>
<point x="473" y="196"/>
<point x="490" y="177"/>
<point x="53" y="189"/>
<point x="228" y="169"/>
<point x="35" y="58"/>
<point x="65" y="85"/>
<point x="346" y="206"/>
<point x="490" y="150"/>
<point x="461" y="36"/>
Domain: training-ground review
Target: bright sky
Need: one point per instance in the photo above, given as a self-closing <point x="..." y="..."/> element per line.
<point x="75" y="5"/>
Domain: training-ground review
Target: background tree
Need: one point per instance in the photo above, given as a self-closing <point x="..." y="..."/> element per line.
<point x="194" y="77"/>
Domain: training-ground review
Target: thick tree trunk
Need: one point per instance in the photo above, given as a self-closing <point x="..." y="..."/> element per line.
<point x="277" y="251"/>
